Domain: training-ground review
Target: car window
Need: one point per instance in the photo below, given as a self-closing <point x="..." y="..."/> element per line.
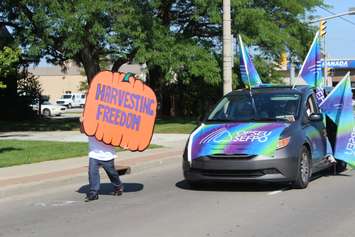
<point x="66" y="96"/>
<point x="310" y="106"/>
<point x="259" y="106"/>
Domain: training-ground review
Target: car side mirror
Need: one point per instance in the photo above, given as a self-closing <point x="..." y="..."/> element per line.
<point x="315" y="117"/>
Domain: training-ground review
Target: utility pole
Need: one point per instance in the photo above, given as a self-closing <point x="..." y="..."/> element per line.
<point x="292" y="72"/>
<point x="227" y="48"/>
<point x="322" y="33"/>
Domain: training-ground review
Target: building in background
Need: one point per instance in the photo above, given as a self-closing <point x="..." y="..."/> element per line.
<point x="337" y="69"/>
<point x="55" y="82"/>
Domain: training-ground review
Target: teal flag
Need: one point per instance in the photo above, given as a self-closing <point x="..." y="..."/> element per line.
<point x="338" y="107"/>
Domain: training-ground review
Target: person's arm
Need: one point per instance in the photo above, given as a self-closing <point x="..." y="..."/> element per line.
<point x="81" y="119"/>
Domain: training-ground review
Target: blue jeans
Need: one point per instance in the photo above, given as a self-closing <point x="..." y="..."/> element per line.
<point x="94" y="174"/>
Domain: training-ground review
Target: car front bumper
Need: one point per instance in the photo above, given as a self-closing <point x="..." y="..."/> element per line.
<point x="256" y="168"/>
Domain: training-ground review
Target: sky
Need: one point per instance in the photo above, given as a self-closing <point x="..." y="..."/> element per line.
<point x="340" y="37"/>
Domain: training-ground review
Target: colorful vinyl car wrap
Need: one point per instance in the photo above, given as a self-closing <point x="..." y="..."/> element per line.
<point x="235" y="138"/>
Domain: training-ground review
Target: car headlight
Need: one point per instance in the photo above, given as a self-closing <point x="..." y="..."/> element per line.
<point x="283" y="142"/>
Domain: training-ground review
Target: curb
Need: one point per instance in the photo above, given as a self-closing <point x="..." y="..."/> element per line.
<point x="49" y="182"/>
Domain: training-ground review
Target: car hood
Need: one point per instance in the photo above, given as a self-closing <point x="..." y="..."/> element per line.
<point x="253" y="138"/>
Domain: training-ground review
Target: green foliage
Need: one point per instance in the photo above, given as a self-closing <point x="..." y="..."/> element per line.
<point x="179" y="40"/>
<point x="30" y="88"/>
<point x="9" y="61"/>
<point x="84" y="86"/>
<point x="86" y="31"/>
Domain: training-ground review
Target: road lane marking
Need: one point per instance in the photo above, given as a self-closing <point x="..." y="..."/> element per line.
<point x="278" y="191"/>
<point x="275" y="192"/>
<point x="63" y="203"/>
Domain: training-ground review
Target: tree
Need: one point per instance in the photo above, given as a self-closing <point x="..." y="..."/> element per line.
<point x="9" y="64"/>
<point x="186" y="34"/>
<point x="86" y="31"/>
<point x="180" y="40"/>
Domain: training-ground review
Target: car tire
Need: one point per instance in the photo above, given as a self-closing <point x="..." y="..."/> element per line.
<point x="340" y="166"/>
<point x="46" y="113"/>
<point x="303" y="169"/>
<point x="69" y="106"/>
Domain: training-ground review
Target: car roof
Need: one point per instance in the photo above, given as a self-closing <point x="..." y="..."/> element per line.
<point x="301" y="89"/>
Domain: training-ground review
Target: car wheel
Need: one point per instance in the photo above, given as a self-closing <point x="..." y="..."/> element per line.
<point x="46" y="112"/>
<point x="340" y="166"/>
<point x="69" y="106"/>
<point x="303" y="169"/>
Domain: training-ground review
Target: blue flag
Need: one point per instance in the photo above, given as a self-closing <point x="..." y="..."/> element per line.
<point x="250" y="76"/>
<point x="311" y="70"/>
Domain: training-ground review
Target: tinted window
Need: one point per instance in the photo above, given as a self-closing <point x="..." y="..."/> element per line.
<point x="260" y="107"/>
<point x="66" y="96"/>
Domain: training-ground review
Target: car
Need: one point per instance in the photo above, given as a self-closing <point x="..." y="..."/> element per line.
<point x="48" y="109"/>
<point x="72" y="100"/>
<point x="271" y="134"/>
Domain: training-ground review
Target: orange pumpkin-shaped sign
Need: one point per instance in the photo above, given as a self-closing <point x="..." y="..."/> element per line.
<point x="120" y="110"/>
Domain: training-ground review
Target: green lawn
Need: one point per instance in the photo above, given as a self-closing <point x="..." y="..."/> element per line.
<point x="70" y="124"/>
<point x="174" y="126"/>
<point x="15" y="152"/>
<point x="43" y="124"/>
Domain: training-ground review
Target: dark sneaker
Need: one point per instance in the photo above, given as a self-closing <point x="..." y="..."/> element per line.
<point x="118" y="191"/>
<point x="91" y="197"/>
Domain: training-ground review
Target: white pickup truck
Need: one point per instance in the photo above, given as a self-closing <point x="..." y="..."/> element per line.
<point x="72" y="100"/>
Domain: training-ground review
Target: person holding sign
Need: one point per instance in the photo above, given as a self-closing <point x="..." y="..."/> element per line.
<point x="102" y="155"/>
<point x="120" y="111"/>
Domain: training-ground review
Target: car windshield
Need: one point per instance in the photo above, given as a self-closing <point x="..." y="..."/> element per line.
<point x="46" y="103"/>
<point x="259" y="107"/>
<point x="66" y="96"/>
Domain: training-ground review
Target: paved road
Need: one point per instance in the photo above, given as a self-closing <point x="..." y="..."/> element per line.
<point x="157" y="203"/>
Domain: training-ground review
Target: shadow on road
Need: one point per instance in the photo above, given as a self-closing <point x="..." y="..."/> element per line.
<point x="107" y="188"/>
<point x="252" y="186"/>
<point x="232" y="187"/>
<point x="328" y="172"/>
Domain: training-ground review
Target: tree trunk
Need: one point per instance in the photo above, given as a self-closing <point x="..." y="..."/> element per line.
<point x="90" y="63"/>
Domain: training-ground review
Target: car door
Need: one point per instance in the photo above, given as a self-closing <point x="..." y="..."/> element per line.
<point x="315" y="133"/>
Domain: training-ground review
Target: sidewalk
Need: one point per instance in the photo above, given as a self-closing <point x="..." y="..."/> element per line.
<point x="76" y="136"/>
<point x="20" y="179"/>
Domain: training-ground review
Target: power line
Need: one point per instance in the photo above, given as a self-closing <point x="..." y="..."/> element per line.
<point x="341" y="17"/>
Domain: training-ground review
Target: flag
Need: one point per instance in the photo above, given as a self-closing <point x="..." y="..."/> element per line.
<point x="338" y="107"/>
<point x="311" y="70"/>
<point x="250" y="76"/>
